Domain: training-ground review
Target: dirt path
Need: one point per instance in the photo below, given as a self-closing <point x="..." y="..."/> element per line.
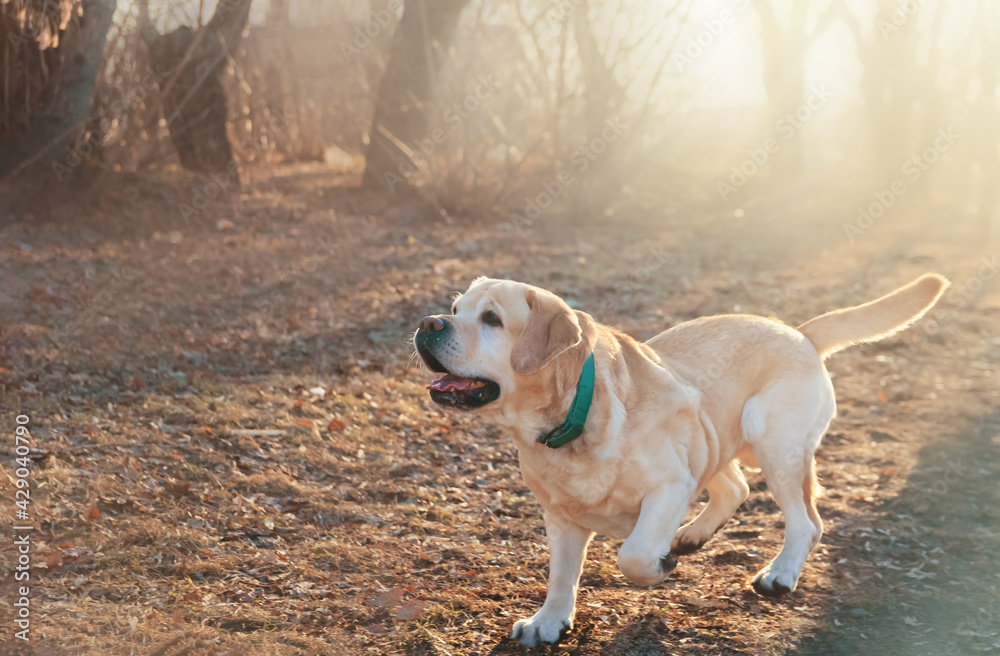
<point x="236" y="454"/>
<point x="934" y="555"/>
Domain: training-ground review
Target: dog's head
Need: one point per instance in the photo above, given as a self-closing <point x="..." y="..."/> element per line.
<point x="497" y="344"/>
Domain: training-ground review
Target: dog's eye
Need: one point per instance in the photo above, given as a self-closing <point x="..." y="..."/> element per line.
<point x="491" y="319"/>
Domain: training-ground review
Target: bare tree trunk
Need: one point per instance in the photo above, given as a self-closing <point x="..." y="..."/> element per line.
<point x="282" y="91"/>
<point x="194" y="101"/>
<point x="602" y="93"/>
<point x="986" y="148"/>
<point x="784" y="51"/>
<point x="601" y="180"/>
<point x="894" y="83"/>
<point x="55" y="126"/>
<point x="419" y="47"/>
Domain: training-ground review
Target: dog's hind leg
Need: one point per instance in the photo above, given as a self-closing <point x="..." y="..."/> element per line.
<point x="726" y="491"/>
<point x="793" y="490"/>
<point x="785" y="455"/>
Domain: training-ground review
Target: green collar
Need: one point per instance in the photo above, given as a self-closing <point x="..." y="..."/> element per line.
<point x="577" y="417"/>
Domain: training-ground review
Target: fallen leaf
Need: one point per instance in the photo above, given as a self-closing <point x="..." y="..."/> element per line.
<point x="411" y="611"/>
<point x="42" y="293"/>
<point x="883" y="397"/>
<point x="336" y="425"/>
<point x="179" y="488"/>
<point x="377" y="628"/>
<point x="388" y="599"/>
<point x="79" y="555"/>
<point x="302" y="421"/>
<point x="177" y="619"/>
<point x="705" y="603"/>
<point x="95" y="513"/>
<point x="205" y="431"/>
<point x="53" y="559"/>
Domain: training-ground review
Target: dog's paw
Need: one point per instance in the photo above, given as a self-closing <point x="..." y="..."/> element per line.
<point x="774" y="581"/>
<point x="543" y="627"/>
<point x="689" y="539"/>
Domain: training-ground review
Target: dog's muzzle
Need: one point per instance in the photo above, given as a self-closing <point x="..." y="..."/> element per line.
<point x="463" y="392"/>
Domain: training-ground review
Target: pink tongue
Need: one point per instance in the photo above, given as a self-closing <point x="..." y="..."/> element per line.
<point x="450" y="382"/>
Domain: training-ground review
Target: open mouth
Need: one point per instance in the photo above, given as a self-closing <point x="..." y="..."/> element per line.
<point x="461" y="392"/>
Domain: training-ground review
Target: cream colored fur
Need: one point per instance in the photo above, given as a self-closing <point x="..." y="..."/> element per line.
<point x="670" y="417"/>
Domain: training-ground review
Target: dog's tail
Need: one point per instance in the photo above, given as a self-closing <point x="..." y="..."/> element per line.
<point x="873" y="321"/>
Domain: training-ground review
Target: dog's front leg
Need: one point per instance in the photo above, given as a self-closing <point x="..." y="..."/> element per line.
<point x="567" y="550"/>
<point x="645" y="557"/>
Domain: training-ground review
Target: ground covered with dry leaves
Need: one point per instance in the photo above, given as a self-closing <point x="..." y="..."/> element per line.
<point x="233" y="451"/>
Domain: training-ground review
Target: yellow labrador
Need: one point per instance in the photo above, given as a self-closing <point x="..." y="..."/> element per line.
<point x="621" y="442"/>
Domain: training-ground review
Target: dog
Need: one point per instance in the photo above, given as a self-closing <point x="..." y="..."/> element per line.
<point x="618" y="437"/>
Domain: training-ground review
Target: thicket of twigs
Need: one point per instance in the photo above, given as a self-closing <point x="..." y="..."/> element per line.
<point x="29" y="53"/>
<point x="614" y="100"/>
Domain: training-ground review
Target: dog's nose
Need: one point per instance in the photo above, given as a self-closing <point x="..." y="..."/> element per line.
<point x="431" y="324"/>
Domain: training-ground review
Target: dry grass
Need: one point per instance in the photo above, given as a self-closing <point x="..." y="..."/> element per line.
<point x="212" y="535"/>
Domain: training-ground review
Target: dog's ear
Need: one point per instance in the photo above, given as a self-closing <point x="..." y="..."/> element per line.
<point x="552" y="329"/>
